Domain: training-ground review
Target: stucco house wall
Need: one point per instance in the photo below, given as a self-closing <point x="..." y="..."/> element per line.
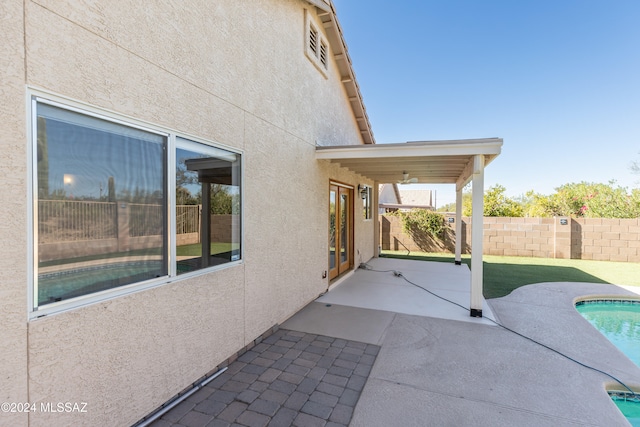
<point x="228" y="72"/>
<point x="13" y="224"/>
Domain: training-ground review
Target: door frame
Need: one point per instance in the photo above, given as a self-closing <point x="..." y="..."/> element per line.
<point x="341" y="268"/>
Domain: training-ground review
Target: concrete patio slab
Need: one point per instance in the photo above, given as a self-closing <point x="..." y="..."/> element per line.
<point x="633" y="289"/>
<point x="469" y="371"/>
<point x="340" y="321"/>
<point x="426" y="408"/>
<point x="438" y="368"/>
<point x="377" y="288"/>
<point x="438" y="372"/>
<point x="546" y="312"/>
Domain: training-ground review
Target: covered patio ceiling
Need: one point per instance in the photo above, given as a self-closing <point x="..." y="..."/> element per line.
<point x="431" y="162"/>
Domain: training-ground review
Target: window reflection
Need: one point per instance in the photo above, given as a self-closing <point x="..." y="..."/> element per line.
<point x="101" y="205"/>
<point x="101" y="210"/>
<point x="207" y="206"/>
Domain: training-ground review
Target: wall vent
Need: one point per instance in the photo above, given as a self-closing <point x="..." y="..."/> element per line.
<point x="316" y="46"/>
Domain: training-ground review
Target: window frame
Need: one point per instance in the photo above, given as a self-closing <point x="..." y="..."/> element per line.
<point x="183" y="143"/>
<point x="38" y="96"/>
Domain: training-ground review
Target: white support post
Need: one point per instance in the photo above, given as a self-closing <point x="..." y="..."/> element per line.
<point x="376" y="220"/>
<point x="458" y="259"/>
<point x="477" y="232"/>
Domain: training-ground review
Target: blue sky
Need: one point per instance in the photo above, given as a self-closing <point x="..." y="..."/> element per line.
<point x="558" y="80"/>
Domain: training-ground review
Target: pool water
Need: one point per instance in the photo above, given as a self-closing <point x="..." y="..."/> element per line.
<point x="75" y="282"/>
<point x="630" y="408"/>
<point x="619" y="321"/>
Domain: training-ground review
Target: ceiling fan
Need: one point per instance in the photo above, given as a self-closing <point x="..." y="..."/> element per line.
<point x="406" y="179"/>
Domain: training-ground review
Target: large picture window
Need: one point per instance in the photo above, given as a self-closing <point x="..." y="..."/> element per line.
<point x="102" y="211"/>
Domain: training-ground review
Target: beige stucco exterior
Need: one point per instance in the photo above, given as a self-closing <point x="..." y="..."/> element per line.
<point x="13" y="225"/>
<point x="229" y="72"/>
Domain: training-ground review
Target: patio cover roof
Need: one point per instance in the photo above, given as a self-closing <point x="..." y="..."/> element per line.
<point x="431" y="162"/>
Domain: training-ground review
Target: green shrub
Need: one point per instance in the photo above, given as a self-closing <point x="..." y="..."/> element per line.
<point x="423" y="221"/>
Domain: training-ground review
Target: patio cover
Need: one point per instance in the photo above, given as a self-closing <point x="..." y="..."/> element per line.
<point x="431" y="162"/>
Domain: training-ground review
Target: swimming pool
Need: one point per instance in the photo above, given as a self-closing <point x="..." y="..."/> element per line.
<point x="66" y="284"/>
<point x="619" y="321"/>
<point x="629" y="406"/>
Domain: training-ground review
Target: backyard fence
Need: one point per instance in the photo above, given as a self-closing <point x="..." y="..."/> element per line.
<point x="68" y="220"/>
<point x="605" y="239"/>
<point x="67" y="228"/>
<point x="188" y="218"/>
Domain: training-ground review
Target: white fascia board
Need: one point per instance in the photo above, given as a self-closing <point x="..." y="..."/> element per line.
<point x="411" y="149"/>
<point x="320" y="4"/>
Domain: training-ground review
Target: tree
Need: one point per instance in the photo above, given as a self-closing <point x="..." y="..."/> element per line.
<point x="496" y="203"/>
<point x="223" y="199"/>
<point x="539" y="205"/>
<point x="577" y="200"/>
<point x="586" y="200"/>
<point x="43" y="159"/>
<point x="222" y="202"/>
<point x="111" y="189"/>
<point x="451" y="207"/>
<point x="184" y="197"/>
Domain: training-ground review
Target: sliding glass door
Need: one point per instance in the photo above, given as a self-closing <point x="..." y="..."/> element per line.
<point x="340" y="229"/>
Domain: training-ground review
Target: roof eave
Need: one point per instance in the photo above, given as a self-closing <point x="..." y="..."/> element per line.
<point x="340" y="52"/>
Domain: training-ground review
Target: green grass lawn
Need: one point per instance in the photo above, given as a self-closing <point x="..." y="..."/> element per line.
<point x="196" y="249"/>
<point x="503" y="274"/>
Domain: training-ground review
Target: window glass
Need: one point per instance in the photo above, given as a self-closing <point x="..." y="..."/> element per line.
<point x="207" y="206"/>
<point x="101" y="208"/>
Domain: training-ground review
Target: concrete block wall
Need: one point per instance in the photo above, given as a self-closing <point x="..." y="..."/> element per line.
<point x="606" y="239"/>
<point x="559" y="237"/>
<point x="530" y="237"/>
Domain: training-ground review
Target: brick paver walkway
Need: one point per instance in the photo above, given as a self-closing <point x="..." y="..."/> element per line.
<point x="289" y="379"/>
